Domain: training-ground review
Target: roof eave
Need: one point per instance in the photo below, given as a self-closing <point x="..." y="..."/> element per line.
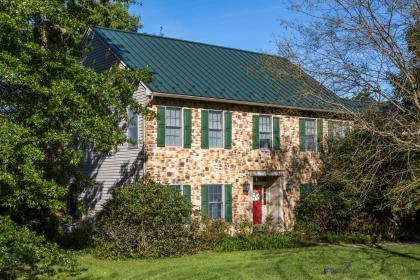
<point x="239" y="102"/>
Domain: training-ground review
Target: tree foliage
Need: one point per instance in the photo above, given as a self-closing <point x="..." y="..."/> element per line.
<point x="24" y="254"/>
<point x="51" y="107"/>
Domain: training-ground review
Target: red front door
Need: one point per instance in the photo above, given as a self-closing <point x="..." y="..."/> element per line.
<point x="256" y="205"/>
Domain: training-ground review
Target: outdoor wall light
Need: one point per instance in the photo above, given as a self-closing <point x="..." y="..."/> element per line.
<point x="245" y="187"/>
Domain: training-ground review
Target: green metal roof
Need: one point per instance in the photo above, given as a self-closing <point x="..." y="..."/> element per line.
<point x="202" y="70"/>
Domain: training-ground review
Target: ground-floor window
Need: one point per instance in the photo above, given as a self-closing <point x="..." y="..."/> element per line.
<point x="215" y="201"/>
<point x="176" y="187"/>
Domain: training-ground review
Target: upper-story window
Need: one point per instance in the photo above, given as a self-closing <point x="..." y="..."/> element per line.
<point x="339" y="130"/>
<point x="310" y="135"/>
<point x="265" y="131"/>
<point x="173" y="126"/>
<point x="215" y="129"/>
<point x="133" y="129"/>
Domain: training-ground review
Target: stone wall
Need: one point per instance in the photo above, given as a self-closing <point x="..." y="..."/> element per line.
<point x="196" y="166"/>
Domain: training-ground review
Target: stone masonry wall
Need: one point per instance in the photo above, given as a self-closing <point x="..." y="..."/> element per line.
<point x="196" y="166"/>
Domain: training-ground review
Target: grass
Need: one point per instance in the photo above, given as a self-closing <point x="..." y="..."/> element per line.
<point x="395" y="262"/>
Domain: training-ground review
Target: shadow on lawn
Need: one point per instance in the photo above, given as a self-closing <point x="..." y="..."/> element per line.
<point x="391" y="252"/>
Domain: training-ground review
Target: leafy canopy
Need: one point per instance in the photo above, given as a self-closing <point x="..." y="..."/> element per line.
<point x="51" y="107"/>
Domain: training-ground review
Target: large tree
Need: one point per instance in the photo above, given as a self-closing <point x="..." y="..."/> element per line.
<point x="51" y="107"/>
<point x="367" y="51"/>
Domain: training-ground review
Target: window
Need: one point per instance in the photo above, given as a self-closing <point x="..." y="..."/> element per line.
<point x="215" y="196"/>
<point x="173" y="127"/>
<point x="133" y="129"/>
<point x="310" y="135"/>
<point x="339" y="130"/>
<point x="176" y="187"/>
<point x="215" y="129"/>
<point x="265" y="132"/>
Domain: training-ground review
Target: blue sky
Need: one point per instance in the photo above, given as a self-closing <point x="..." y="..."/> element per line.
<point x="244" y="24"/>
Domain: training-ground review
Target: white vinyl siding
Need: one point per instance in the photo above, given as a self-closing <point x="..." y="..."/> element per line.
<point x="215" y="129"/>
<point x="173" y="126"/>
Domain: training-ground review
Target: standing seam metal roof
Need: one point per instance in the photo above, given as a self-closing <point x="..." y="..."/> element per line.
<point x="202" y="70"/>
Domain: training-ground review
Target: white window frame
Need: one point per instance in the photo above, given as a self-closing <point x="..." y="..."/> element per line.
<point x="130" y="145"/>
<point x="223" y="128"/>
<point x="223" y="201"/>
<point x="272" y="132"/>
<point x="316" y="134"/>
<point x="182" y="126"/>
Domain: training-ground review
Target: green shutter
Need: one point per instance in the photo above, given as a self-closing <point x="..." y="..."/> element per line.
<point x="228" y="203"/>
<point x="255" y="132"/>
<point x="187" y="128"/>
<point x="186" y="193"/>
<point x="320" y="135"/>
<point x="205" y="200"/>
<point x="302" y="135"/>
<point x="330" y="134"/>
<point x="276" y="133"/>
<point x="204" y="129"/>
<point x="161" y="127"/>
<point x="228" y="130"/>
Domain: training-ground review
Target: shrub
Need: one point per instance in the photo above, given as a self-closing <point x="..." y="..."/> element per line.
<point x="260" y="242"/>
<point x="23" y="254"/>
<point x="81" y="237"/>
<point x="208" y="233"/>
<point x="144" y="219"/>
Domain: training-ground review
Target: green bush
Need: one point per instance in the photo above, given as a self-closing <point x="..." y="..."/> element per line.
<point x="207" y="233"/>
<point x="261" y="242"/>
<point x="144" y="219"/>
<point x="23" y="254"/>
<point x="81" y="237"/>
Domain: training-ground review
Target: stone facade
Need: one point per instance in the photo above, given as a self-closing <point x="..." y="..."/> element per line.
<point x="196" y="166"/>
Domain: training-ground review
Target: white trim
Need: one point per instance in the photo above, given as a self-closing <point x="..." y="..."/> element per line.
<point x="189" y="97"/>
<point x="148" y="91"/>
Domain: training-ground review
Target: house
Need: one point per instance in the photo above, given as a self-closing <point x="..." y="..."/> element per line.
<point x="237" y="142"/>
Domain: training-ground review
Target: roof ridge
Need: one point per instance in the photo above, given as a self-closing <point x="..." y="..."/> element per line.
<point x="182" y="40"/>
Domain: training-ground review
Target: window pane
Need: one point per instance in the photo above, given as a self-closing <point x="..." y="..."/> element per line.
<point x="311" y="143"/>
<point x="265" y="132"/>
<point x="173" y="127"/>
<point x="310" y="134"/>
<point x="215" y="129"/>
<point x="215" y="201"/>
<point x="133" y="129"/>
<point x="176" y="187"/>
<point x="215" y="120"/>
<point x="339" y="130"/>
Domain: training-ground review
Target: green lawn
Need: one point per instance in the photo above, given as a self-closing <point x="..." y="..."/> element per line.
<point x="396" y="262"/>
